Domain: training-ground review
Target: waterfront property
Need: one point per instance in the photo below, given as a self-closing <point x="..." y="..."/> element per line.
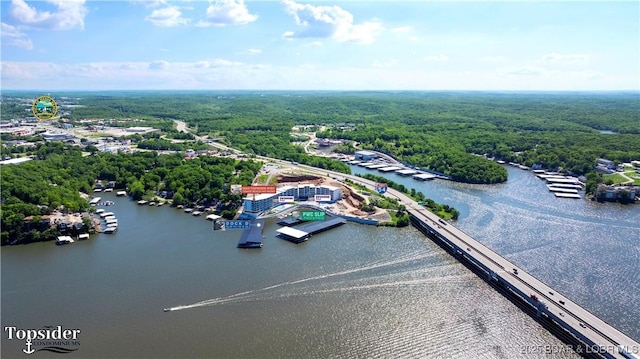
<point x="365" y="155"/>
<point x="254" y="205"/>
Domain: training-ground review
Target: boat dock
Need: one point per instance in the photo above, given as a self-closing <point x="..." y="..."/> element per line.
<point x="564" y="318"/>
<point x="252" y="237"/>
<point x="289" y="221"/>
<point x="424" y="177"/>
<point x="389" y="169"/>
<point x="566" y="195"/>
<point x="553" y="188"/>
<point x="302" y="233"/>
<point x="406" y="172"/>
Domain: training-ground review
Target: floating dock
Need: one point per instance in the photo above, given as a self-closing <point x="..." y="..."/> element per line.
<point x="553" y="188"/>
<point x="389" y="169"/>
<point x="424" y="177"/>
<point x="289" y="221"/>
<point x="406" y="172"/>
<point x="566" y="195"/>
<point x="375" y="166"/>
<point x="302" y="233"/>
<point x="252" y="237"/>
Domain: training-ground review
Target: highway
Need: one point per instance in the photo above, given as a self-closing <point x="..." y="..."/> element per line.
<point x="601" y="338"/>
<point x="564" y="311"/>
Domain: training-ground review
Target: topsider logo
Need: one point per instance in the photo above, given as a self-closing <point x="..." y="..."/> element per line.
<point x="48" y="338"/>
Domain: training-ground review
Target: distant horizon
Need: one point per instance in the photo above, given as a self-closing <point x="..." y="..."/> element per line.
<point x="327" y="91"/>
<point x="329" y="45"/>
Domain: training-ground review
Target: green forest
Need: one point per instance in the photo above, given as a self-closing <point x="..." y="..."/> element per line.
<point x="448" y="132"/>
<point x="441" y="131"/>
<point x="62" y="172"/>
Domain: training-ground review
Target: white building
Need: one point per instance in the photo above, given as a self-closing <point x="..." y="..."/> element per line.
<point x="365" y="155"/>
<point x="256" y="204"/>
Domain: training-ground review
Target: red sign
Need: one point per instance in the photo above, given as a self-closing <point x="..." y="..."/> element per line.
<point x="258" y="189"/>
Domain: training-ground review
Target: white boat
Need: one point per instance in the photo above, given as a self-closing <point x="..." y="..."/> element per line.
<point x="108" y="189"/>
<point x="99" y="211"/>
<point x="106" y="214"/>
<point x="64" y="240"/>
<point x="142" y="202"/>
<point x="112" y="224"/>
<point x="110" y="229"/>
<point x="121" y="193"/>
<point x="188" y="210"/>
<point x="197" y="213"/>
<point x="83" y="236"/>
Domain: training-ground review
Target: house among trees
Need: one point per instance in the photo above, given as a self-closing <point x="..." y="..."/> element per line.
<point x="620" y="194"/>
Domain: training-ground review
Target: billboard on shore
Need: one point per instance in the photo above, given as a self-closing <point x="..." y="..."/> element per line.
<point x="322" y="198"/>
<point x="258" y="189"/>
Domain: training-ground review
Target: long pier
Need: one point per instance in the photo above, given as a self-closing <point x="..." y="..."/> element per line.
<point x="584" y="332"/>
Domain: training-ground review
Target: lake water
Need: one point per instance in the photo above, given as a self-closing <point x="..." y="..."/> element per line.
<point x="354" y="291"/>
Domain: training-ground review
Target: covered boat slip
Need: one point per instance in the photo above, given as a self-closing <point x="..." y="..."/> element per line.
<point x="302" y="233"/>
<point x="252" y="237"/>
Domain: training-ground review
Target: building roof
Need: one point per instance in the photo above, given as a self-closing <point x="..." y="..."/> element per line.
<point x="366" y="153"/>
<point x="15" y="161"/>
<point x="292" y="232"/>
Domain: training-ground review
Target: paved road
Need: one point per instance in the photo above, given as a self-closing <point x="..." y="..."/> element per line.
<point x="561" y="308"/>
<point x="578" y="318"/>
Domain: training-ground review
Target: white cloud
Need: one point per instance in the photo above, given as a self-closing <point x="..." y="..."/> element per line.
<point x="385" y="63"/>
<point x="149" y="3"/>
<point x="440" y="57"/>
<point x="167" y="17"/>
<point x="329" y="22"/>
<point x="314" y="43"/>
<point x="158" y="65"/>
<point x="226" y="74"/>
<point x="401" y="29"/>
<point x="560" y="59"/>
<point x="70" y="15"/>
<point x="15" y="37"/>
<point x="215" y="63"/>
<point x="253" y="51"/>
<point x="524" y="71"/>
<point x="227" y="12"/>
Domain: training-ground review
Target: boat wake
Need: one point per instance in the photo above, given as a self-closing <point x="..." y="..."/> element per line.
<point x="256" y="294"/>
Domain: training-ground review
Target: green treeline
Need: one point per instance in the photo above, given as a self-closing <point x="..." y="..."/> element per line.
<point x="441" y="131"/>
<point x="442" y="210"/>
<point x="60" y="172"/>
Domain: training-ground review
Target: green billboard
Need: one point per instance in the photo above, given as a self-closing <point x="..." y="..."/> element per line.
<point x="313" y="216"/>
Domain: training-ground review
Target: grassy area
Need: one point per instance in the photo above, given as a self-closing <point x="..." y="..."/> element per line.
<point x="618" y="178"/>
<point x="615" y="177"/>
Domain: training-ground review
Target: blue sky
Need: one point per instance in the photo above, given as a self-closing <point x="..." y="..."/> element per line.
<point x="321" y="45"/>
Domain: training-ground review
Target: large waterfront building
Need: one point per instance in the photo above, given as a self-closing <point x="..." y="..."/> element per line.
<point x="256" y="204"/>
<point x="365" y="155"/>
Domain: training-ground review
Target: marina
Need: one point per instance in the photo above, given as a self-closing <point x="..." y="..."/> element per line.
<point x="351" y="276"/>
<point x="302" y="233"/>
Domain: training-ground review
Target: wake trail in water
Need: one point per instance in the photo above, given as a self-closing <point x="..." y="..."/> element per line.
<point x="250" y="293"/>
